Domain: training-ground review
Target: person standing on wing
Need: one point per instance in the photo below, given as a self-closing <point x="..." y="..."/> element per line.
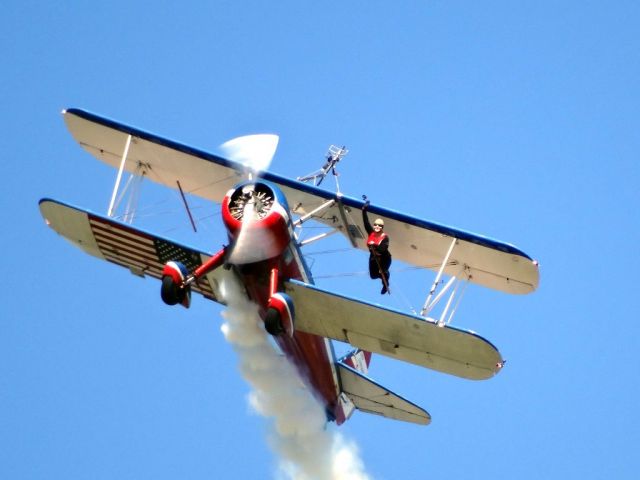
<point x="379" y="255"/>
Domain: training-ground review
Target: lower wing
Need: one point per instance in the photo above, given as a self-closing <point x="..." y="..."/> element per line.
<point x="405" y="337"/>
<point x="141" y="252"/>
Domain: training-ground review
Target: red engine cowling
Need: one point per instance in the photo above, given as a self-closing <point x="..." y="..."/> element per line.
<point x="257" y="219"/>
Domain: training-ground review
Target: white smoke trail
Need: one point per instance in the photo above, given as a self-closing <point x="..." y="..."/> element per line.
<point x="298" y="433"/>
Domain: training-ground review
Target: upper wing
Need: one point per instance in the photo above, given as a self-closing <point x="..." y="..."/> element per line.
<point x="141" y="252"/>
<point x="397" y="335"/>
<point x="418" y="242"/>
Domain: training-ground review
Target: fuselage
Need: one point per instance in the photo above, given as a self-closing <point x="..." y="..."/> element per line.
<point x="272" y="231"/>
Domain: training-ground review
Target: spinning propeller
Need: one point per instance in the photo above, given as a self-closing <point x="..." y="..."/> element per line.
<point x="255" y="152"/>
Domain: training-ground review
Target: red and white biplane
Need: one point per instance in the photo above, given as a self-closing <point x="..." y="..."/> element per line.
<point x="262" y="215"/>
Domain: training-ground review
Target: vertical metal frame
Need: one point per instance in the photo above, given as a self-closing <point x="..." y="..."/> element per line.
<point x="116" y="187"/>
<point x="428" y="304"/>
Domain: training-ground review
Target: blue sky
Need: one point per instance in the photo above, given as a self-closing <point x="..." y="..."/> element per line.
<point x="516" y="120"/>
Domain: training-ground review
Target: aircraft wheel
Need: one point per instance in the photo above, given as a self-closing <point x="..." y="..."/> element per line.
<point x="273" y="322"/>
<point x="170" y="292"/>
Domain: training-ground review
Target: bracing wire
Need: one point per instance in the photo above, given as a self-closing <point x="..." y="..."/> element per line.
<point x="325" y="252"/>
<point x="152" y="210"/>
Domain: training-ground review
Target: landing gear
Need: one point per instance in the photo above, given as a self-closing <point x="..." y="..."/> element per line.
<point x="176" y="279"/>
<point x="173" y="293"/>
<point x="280" y="315"/>
<point x="273" y="322"/>
<point x="280" y="311"/>
<point x="175" y="285"/>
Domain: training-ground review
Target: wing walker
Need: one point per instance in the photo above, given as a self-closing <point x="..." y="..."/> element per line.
<point x="264" y="215"/>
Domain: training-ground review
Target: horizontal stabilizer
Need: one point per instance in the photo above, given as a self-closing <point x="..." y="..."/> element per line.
<point x="370" y="397"/>
<point x="402" y="336"/>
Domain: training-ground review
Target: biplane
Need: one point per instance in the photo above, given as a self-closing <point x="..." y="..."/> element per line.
<point x="263" y="213"/>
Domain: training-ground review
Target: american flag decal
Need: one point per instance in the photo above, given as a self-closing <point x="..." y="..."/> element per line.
<point x="168" y="251"/>
<point x="142" y="253"/>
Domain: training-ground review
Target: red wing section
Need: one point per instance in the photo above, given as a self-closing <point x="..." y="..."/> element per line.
<point x="140" y="252"/>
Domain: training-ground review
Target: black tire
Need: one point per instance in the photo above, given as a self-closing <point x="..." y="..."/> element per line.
<point x="170" y="292"/>
<point x="273" y="323"/>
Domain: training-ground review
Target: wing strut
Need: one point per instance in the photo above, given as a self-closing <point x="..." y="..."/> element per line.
<point x="428" y="304"/>
<point x="304" y="218"/>
<point x="442" y="321"/>
<point x="131" y="187"/>
<point x="463" y="275"/>
<point x="116" y="187"/>
<point x="317" y="237"/>
<point x="319" y="209"/>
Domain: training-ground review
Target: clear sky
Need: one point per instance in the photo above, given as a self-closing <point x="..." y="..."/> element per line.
<point x="515" y="120"/>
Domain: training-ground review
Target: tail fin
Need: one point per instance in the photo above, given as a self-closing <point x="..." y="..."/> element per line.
<point x="358" y="360"/>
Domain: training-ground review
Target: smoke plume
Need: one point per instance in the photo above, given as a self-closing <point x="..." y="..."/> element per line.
<point x="306" y="448"/>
